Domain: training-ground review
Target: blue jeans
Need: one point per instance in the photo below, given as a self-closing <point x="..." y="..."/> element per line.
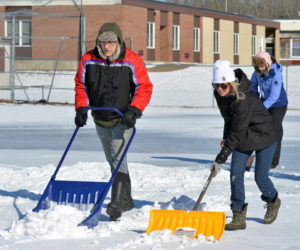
<point x="114" y="141"/>
<point x="262" y="166"/>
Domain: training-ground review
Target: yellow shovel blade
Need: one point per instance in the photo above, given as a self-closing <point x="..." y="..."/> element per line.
<point x="206" y="223"/>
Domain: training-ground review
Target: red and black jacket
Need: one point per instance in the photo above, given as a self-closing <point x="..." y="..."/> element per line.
<point x="118" y="84"/>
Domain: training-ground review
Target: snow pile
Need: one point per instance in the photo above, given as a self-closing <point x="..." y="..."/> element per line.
<point x="61" y="222"/>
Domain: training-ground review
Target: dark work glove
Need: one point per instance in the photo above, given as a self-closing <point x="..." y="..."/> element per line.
<point x="131" y="115"/>
<point x="81" y="117"/>
<point x="223" y="155"/>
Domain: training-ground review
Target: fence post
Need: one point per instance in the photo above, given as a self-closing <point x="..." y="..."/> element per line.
<point x="12" y="61"/>
<point x="43" y="86"/>
<point x="82" y="34"/>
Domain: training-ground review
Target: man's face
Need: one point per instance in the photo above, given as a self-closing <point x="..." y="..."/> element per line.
<point x="108" y="48"/>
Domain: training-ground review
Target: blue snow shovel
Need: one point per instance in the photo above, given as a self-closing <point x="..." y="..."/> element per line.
<point x="80" y="193"/>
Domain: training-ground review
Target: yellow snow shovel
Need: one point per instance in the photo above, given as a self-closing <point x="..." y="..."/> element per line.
<point x="191" y="224"/>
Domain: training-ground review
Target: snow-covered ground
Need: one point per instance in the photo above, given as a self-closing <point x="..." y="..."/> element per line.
<point x="169" y="162"/>
<point x="182" y="88"/>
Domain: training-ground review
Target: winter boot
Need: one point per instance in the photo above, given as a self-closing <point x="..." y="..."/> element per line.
<point x="114" y="207"/>
<point x="239" y="220"/>
<point x="121" y="200"/>
<point x="127" y="203"/>
<point x="272" y="210"/>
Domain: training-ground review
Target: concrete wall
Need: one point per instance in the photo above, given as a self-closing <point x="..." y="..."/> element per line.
<point x="260" y="32"/>
<point x="207" y="36"/>
<point x="245" y="31"/>
<point x="277" y="45"/>
<point x="289" y="25"/>
<point x="46" y="65"/>
<point x="5" y="64"/>
<point x="226" y="38"/>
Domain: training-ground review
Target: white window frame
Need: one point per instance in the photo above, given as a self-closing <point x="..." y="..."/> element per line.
<point x="253" y="45"/>
<point x="236" y="43"/>
<point x="261" y="44"/>
<point x="216" y="41"/>
<point x="292" y="48"/>
<point x="19" y="38"/>
<point x="196" y="39"/>
<point x="176" y="37"/>
<point x="150" y="35"/>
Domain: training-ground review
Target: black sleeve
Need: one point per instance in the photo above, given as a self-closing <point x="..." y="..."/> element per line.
<point x="242" y="112"/>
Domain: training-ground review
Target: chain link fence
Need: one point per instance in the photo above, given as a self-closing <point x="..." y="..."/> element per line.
<point x="189" y="87"/>
<point x="35" y="53"/>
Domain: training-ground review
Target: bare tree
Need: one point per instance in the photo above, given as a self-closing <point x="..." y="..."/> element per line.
<point x="291" y="8"/>
<point x="267" y="9"/>
<point x="236" y="6"/>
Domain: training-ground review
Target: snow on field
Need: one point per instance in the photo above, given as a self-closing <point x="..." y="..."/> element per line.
<point x="169" y="162"/>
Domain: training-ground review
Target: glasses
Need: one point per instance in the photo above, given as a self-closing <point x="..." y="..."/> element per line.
<point x="222" y="85"/>
<point x="109" y="43"/>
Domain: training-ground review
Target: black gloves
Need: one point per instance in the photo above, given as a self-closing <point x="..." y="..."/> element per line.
<point x="131" y="115"/>
<point x="223" y="155"/>
<point x="81" y="117"/>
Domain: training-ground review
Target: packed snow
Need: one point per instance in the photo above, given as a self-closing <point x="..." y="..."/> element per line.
<point x="169" y="162"/>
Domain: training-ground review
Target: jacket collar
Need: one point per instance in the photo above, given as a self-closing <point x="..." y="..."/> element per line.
<point x="120" y="57"/>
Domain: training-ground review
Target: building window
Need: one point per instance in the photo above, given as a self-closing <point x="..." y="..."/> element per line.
<point x="196" y="39"/>
<point x="253" y="45"/>
<point x="261" y="43"/>
<point x="235" y="43"/>
<point x="22" y="32"/>
<point x="295" y="48"/>
<point x="176" y="37"/>
<point x="150" y="35"/>
<point x="216" y="41"/>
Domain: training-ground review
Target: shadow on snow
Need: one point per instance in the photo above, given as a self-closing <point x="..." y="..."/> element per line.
<point x="202" y="161"/>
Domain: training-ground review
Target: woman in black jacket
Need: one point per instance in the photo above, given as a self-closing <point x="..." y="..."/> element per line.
<point x="248" y="127"/>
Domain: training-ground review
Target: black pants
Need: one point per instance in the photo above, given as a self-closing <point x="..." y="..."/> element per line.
<point x="278" y="114"/>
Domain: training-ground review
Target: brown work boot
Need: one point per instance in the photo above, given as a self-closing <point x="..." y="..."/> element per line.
<point x="272" y="210"/>
<point x="239" y="220"/>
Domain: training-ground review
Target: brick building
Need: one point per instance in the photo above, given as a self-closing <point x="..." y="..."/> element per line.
<point x="289" y="42"/>
<point x="157" y="31"/>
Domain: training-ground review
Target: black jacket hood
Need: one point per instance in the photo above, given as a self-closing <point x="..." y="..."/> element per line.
<point x="245" y="84"/>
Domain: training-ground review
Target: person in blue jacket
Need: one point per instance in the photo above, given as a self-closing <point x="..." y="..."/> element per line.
<point x="267" y="81"/>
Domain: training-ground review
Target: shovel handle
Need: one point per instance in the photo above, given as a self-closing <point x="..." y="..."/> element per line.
<point x="75" y="133"/>
<point x="212" y="174"/>
<point x="105" y="108"/>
